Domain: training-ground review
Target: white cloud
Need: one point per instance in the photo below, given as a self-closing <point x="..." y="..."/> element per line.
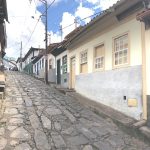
<point x="105" y="4"/>
<point x="21" y="26"/>
<point x="83" y="12"/>
<point x="39" y="3"/>
<point x="67" y="23"/>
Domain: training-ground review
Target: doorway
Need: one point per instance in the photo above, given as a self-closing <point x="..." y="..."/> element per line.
<point x="58" y="72"/>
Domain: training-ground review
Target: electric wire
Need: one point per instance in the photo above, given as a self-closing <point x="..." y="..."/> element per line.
<point x="37" y="24"/>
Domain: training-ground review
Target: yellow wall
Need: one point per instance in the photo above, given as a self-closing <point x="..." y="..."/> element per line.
<point x="147" y="46"/>
<point x="133" y="27"/>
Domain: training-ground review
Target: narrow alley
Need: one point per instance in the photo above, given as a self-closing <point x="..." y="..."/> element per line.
<point x="36" y="116"/>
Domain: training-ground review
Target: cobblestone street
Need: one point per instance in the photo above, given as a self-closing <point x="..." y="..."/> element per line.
<point x="36" y="116"/>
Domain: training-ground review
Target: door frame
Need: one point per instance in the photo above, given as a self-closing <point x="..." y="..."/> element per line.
<point x="70" y="85"/>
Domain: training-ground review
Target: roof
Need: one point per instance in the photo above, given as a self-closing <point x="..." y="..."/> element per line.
<point x="124" y="3"/>
<point x="50" y="47"/>
<point x="37" y="58"/>
<point x="40" y="55"/>
<point x="144" y="15"/>
<point x="18" y="60"/>
<point x="62" y="46"/>
<point x="3" y="10"/>
<point x="30" y="51"/>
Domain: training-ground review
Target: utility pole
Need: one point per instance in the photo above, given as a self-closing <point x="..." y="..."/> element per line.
<point x="21" y="57"/>
<point x="46" y="41"/>
<point x="46" y="69"/>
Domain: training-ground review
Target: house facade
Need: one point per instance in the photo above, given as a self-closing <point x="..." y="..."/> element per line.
<point x="28" y="58"/>
<point x="39" y="66"/>
<point x="144" y="17"/>
<point x="60" y="53"/>
<point x="51" y="64"/>
<point x="105" y="59"/>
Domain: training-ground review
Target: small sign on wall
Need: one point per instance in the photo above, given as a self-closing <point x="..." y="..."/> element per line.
<point x="132" y="103"/>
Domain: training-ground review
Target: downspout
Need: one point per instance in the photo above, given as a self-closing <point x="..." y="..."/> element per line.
<point x="144" y="88"/>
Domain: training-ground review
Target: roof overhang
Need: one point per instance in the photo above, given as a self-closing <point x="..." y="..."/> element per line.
<point x="144" y="16"/>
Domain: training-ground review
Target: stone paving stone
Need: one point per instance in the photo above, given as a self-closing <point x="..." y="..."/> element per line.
<point x="41" y="140"/>
<point x="14" y="143"/>
<point x="16" y="121"/>
<point x="58" y="141"/>
<point x="69" y="115"/>
<point x="57" y="126"/>
<point x="23" y="146"/>
<point x="77" y="140"/>
<point x="103" y="145"/>
<point x="11" y="111"/>
<point x="3" y="143"/>
<point x="35" y="121"/>
<point x="86" y="132"/>
<point x="28" y="102"/>
<point x="53" y="111"/>
<point x="11" y="127"/>
<point x="88" y="147"/>
<point x="46" y="122"/>
<point x="20" y="133"/>
<point x="2" y="131"/>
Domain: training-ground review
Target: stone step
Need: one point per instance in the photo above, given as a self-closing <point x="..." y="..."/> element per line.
<point x="139" y="124"/>
<point x="146" y="131"/>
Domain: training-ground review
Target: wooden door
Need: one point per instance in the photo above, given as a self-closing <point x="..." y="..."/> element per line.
<point x="72" y="73"/>
<point x="58" y="72"/>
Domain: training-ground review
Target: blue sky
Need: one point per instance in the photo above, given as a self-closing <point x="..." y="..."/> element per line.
<point x="23" y="27"/>
<point x="56" y="11"/>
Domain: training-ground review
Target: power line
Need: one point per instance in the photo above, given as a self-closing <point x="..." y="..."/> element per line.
<point x="37" y="23"/>
<point x="83" y="19"/>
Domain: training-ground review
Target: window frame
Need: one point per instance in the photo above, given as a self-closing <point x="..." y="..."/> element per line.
<point x="50" y="60"/>
<point x="84" y="51"/>
<point x="94" y="48"/>
<point x="66" y="66"/>
<point x="128" y="51"/>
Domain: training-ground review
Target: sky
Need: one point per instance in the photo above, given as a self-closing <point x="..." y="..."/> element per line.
<point x="26" y="24"/>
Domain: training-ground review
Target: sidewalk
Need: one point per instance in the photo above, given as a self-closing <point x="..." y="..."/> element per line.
<point x="130" y="125"/>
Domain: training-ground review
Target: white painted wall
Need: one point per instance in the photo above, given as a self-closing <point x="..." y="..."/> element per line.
<point x="41" y="69"/>
<point x="147" y="46"/>
<point x="133" y="27"/>
<point x="50" y="56"/>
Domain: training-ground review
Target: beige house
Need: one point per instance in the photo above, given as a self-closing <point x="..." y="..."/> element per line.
<point x="105" y="59"/>
<point x="144" y="17"/>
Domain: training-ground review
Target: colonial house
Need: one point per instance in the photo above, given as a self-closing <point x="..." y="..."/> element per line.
<point x="60" y="53"/>
<point x="28" y="58"/>
<point x="61" y="57"/>
<point x="144" y="17"/>
<point x="39" y="65"/>
<point x="106" y="60"/>
<point x="51" y="64"/>
<point x="3" y="17"/>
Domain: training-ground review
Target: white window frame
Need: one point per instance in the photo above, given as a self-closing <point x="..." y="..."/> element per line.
<point x="121" y="56"/>
<point x="99" y="57"/>
<point x="85" y="58"/>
